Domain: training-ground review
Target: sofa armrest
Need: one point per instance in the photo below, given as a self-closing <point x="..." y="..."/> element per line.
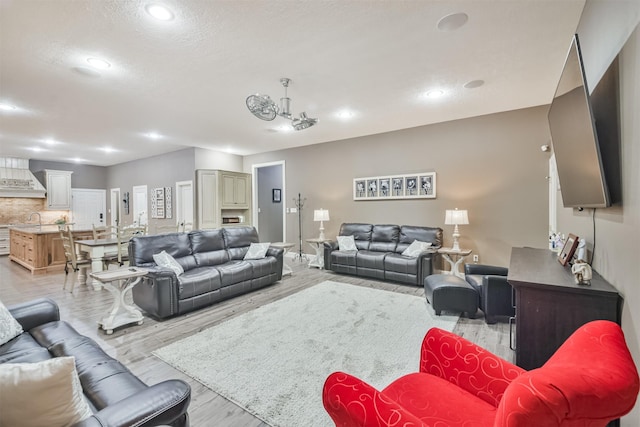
<point x="497" y="297"/>
<point x="483" y="269"/>
<point x="162" y="403"/>
<point x="352" y="402"/>
<point x="157" y="293"/>
<point x="328" y="248"/>
<point x="467" y="365"/>
<point x="35" y="312"/>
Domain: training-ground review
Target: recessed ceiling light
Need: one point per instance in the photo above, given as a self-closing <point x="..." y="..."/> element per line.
<point x="452" y="22"/>
<point x="160" y="12"/>
<point x="473" y="84"/>
<point x="345" y="114"/>
<point x="434" y="93"/>
<point x="50" y="141"/>
<point x="78" y="159"/>
<point x="107" y="149"/>
<point x="7" y="107"/>
<point x="98" y="63"/>
<point x="284" y="128"/>
<point x="153" y="135"/>
<point x="36" y="149"/>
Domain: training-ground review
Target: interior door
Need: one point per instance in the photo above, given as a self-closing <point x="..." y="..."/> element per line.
<point x="140" y="208"/>
<point x="88" y="207"/>
<point x="270" y="212"/>
<point x="184" y="202"/>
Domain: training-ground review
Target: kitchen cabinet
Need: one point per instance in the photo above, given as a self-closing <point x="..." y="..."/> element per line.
<point x="39" y="249"/>
<point x="223" y="198"/>
<point x="4" y="240"/>
<point x="58" y="185"/>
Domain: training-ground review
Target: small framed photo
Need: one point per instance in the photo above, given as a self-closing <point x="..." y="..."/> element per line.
<point x="276" y="195"/>
<point x="385" y="187"/>
<point x="397" y="187"/>
<point x="359" y="189"/>
<point x="427" y="185"/>
<point x="568" y="249"/>
<point x="372" y="188"/>
<point x="411" y="186"/>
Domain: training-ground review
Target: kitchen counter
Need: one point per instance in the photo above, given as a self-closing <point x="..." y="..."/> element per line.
<point x="39" y="248"/>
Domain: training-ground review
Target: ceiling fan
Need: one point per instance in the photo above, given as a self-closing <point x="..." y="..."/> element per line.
<point x="263" y="107"/>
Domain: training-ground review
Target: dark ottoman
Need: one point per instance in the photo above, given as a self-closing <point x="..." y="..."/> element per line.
<point x="451" y="293"/>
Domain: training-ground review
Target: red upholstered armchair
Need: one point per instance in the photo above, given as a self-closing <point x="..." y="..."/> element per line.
<point x="589" y="381"/>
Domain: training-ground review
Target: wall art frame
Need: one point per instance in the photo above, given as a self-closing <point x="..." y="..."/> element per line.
<point x="394" y="187"/>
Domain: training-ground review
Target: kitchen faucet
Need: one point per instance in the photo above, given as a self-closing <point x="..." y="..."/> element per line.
<point x="39" y="217"/>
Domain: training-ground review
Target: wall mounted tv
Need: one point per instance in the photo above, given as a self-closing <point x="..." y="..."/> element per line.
<point x="585" y="135"/>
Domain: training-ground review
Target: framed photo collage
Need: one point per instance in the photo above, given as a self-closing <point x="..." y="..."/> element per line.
<point x="411" y="186"/>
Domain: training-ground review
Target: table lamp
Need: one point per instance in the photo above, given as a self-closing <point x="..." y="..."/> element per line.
<point x="456" y="217"/>
<point x="321" y="215"/>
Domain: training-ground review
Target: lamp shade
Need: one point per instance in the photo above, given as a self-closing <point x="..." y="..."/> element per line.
<point x="456" y="217"/>
<point x="321" y="215"/>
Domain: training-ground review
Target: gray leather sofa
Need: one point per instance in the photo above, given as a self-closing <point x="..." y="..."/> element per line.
<point x="115" y="395"/>
<point x="214" y="269"/>
<point x="379" y="253"/>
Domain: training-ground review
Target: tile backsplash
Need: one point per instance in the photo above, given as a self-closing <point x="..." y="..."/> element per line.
<point x="16" y="210"/>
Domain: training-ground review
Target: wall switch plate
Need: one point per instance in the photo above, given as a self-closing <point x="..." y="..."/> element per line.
<point x="476" y="258"/>
<point x="288" y="210"/>
<point x="294" y="210"/>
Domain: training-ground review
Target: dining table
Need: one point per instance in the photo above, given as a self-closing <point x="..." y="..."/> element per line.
<point x="97" y="250"/>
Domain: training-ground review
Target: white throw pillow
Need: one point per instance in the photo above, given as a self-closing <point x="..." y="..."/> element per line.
<point x="416" y="248"/>
<point x="40" y="394"/>
<point x="257" y="250"/>
<point x="163" y="259"/>
<point x="9" y="327"/>
<point x="347" y="243"/>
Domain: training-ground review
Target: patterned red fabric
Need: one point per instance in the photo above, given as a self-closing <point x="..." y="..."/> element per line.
<point x="588" y="382"/>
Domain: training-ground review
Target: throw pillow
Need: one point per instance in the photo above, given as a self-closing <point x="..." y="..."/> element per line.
<point x="257" y="250"/>
<point x="39" y="394"/>
<point x="9" y="327"/>
<point x="416" y="248"/>
<point x="163" y="259"/>
<point x="347" y="243"/>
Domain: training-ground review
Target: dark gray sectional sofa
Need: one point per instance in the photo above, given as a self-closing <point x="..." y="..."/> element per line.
<point x="214" y="269"/>
<point x="379" y="253"/>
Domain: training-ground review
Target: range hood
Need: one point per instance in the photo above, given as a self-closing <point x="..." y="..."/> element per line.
<point x="16" y="180"/>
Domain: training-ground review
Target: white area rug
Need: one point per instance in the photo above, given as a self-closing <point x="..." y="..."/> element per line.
<point x="273" y="361"/>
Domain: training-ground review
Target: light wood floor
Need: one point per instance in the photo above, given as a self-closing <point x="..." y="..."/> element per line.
<point x="133" y="345"/>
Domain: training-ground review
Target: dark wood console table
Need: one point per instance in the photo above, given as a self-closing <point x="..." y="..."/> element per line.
<point x="550" y="306"/>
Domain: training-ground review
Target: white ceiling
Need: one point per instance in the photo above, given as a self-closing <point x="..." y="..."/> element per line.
<point x="187" y="79"/>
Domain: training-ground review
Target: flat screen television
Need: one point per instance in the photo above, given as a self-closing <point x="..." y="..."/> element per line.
<point x="585" y="135"/>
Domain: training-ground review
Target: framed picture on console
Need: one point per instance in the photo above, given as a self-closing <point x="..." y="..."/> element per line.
<point x="410" y="186"/>
<point x="568" y="249"/>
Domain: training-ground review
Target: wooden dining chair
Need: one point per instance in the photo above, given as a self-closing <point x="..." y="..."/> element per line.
<point x="104" y="232"/>
<point x="163" y="229"/>
<point x="71" y="258"/>
<point x="123" y="236"/>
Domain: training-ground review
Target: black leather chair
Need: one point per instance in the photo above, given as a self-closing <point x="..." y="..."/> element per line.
<point x="496" y="294"/>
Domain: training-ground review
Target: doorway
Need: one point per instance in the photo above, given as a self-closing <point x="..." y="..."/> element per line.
<point x="269" y="211"/>
<point x="88" y="208"/>
<point x="140" y="211"/>
<point x="184" y="204"/>
<point x="114" y="207"/>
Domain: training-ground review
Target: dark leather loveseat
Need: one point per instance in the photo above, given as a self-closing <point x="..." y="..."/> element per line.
<point x="115" y="395"/>
<point x="214" y="269"/>
<point x="379" y="253"/>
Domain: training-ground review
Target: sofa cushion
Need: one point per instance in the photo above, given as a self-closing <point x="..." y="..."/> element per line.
<point x="384" y="238"/>
<point x="263" y="267"/>
<point x="238" y="240"/>
<point x="198" y="281"/>
<point x="401" y="264"/>
<point x="360" y="232"/>
<point x="409" y="233"/>
<point x="370" y="259"/>
<point x="9" y="327"/>
<point x="209" y="247"/>
<point x="178" y="245"/>
<point x="53" y="386"/>
<point x="23" y="348"/>
<point x="344" y="258"/>
<point x="347" y="243"/>
<point x="234" y="272"/>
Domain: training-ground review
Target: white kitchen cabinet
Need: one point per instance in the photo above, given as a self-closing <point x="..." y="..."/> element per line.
<point x="58" y="185"/>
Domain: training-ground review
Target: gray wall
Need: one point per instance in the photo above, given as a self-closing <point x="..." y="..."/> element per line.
<point x="157" y="171"/>
<point x="490" y="165"/>
<point x="606" y="28"/>
<point x="83" y="176"/>
<point x="270" y="215"/>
